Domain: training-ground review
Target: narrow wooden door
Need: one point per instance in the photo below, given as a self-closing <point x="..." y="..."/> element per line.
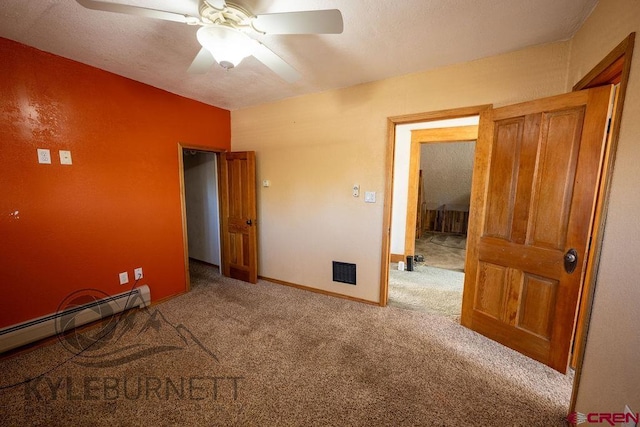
<point x="535" y="180"/>
<point x="238" y="216"/>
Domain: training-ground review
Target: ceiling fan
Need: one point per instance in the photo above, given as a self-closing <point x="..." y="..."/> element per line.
<point x="225" y="30"/>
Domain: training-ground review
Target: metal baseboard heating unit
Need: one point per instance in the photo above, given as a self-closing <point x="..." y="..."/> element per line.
<point x="94" y="309"/>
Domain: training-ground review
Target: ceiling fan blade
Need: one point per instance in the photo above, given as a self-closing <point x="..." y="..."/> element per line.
<point x="275" y="63"/>
<point x="138" y="11"/>
<point x="202" y="62"/>
<point x="309" y="22"/>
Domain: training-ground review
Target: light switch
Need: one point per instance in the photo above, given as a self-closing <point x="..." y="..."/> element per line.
<point x="124" y="278"/>
<point x="369" y="196"/>
<point x="65" y="157"/>
<point x="44" y="156"/>
<point x="266" y="183"/>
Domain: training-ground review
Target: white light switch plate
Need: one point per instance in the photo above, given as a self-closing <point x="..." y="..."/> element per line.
<point x="44" y="156"/>
<point x="124" y="278"/>
<point x="65" y="157"/>
<point x="369" y="196"/>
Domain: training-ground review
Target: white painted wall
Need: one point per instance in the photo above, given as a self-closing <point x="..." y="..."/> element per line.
<point x="401" y="174"/>
<point x="201" y="198"/>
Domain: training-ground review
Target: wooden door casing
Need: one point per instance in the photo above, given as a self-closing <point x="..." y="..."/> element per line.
<point x="535" y="179"/>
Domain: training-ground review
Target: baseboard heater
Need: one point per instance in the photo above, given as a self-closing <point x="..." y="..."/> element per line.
<point x="43" y="327"/>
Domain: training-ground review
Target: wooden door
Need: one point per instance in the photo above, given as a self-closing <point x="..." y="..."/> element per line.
<point x="534" y="187"/>
<point x="238" y="216"/>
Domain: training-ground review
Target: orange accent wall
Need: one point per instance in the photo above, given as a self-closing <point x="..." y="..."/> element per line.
<point x="64" y="228"/>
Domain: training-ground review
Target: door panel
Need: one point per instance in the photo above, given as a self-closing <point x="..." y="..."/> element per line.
<point x="559" y="146"/>
<point x="238" y="219"/>
<point x="534" y="190"/>
<point x="502" y="181"/>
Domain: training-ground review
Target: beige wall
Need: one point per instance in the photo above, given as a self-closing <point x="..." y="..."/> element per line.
<point x="314" y="148"/>
<point x="611" y="371"/>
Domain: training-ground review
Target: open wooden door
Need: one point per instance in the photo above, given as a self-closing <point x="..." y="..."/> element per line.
<point x="536" y="175"/>
<point x="238" y="216"/>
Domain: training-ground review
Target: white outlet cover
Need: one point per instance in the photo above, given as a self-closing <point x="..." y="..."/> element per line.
<point x="137" y="273"/>
<point x="266" y="183"/>
<point x="44" y="156"/>
<point x="356" y="190"/>
<point x="124" y="278"/>
<point x="65" y="157"/>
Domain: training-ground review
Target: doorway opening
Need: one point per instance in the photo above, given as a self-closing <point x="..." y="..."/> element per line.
<point x="222" y="196"/>
<point x="434" y="167"/>
<point x="201" y="211"/>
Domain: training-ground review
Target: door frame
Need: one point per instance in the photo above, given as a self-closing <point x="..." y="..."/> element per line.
<point x="613" y="68"/>
<point x="465" y="133"/>
<point x="454" y="113"/>
<point x="183" y="203"/>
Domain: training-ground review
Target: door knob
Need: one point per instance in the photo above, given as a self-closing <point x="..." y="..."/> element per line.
<point x="249" y="222"/>
<point x="570" y="260"/>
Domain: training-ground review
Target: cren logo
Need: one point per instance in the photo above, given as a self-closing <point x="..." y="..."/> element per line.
<point x="576" y="418"/>
<point x="610" y="418"/>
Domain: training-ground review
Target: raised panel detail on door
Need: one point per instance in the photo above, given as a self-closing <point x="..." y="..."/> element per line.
<point x="492" y="281"/>
<point x="538" y="300"/>
<point x="502" y="180"/>
<point x="559" y="145"/>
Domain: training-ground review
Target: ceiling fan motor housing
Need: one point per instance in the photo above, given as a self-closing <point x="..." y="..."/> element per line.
<point x="229" y="14"/>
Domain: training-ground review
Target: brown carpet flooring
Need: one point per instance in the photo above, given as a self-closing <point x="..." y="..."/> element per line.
<point x="230" y="353"/>
<point x="442" y="250"/>
<point x="428" y="289"/>
<point x="435" y="285"/>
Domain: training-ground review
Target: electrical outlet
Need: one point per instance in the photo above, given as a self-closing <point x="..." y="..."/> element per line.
<point x="44" y="156"/>
<point x="356" y="190"/>
<point x="137" y="273"/>
<point x="124" y="278"/>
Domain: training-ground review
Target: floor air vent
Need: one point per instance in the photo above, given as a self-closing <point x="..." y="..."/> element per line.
<point x="344" y="272"/>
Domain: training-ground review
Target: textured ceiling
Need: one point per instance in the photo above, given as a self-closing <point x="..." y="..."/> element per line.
<point x="381" y="39"/>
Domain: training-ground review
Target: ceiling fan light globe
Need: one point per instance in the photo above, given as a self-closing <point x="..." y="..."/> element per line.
<point x="227" y="45"/>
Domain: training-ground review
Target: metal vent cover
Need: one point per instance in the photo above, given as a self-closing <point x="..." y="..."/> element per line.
<point x="344" y="272"/>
